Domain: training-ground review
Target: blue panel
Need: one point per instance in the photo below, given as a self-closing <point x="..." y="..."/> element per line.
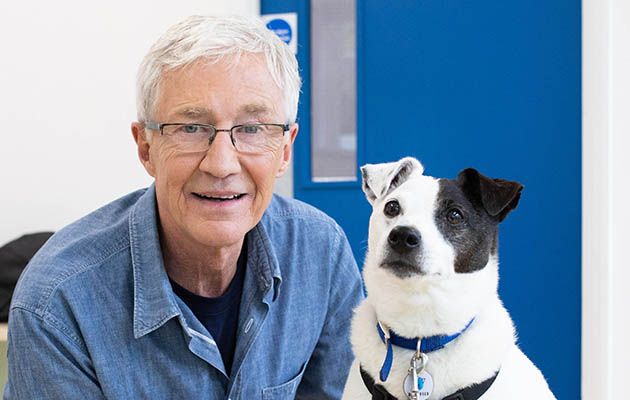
<point x="495" y="85"/>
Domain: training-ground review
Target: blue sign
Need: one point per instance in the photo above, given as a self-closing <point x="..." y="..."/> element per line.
<point x="281" y="28"/>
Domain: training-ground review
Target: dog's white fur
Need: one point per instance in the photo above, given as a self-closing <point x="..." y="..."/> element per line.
<point x="438" y="302"/>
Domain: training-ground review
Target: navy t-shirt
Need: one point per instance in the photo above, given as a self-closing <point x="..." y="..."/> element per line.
<point x="219" y="314"/>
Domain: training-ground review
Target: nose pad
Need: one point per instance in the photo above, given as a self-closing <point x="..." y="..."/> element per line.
<point x="221" y="159"/>
<point x="404" y="239"/>
<point x="216" y="132"/>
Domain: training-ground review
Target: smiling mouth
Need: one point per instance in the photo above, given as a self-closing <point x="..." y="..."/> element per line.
<point x="219" y="198"/>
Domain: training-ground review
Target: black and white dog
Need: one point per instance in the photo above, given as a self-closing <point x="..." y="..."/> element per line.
<point x="432" y="325"/>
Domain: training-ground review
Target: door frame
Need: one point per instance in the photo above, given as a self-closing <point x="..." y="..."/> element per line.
<point x="605" y="100"/>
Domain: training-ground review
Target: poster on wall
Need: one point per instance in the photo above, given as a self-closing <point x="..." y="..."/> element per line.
<point x="285" y="26"/>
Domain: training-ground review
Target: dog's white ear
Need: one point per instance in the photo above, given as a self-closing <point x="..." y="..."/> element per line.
<point x="380" y="179"/>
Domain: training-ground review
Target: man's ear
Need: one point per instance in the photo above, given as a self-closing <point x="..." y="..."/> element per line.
<point x="380" y="179"/>
<point x="497" y="196"/>
<point x="143" y="143"/>
<point x="287" y="150"/>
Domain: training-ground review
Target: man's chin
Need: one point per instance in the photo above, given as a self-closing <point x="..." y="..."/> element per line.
<point x="221" y="233"/>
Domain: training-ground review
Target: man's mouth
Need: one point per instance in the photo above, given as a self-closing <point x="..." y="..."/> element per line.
<point x="219" y="198"/>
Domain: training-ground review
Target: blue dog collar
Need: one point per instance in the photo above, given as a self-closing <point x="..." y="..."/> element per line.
<point x="427" y="345"/>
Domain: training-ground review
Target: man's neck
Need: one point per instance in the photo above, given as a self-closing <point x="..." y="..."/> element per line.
<point x="202" y="270"/>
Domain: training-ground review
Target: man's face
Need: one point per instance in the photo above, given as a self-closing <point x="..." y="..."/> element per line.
<point x="214" y="198"/>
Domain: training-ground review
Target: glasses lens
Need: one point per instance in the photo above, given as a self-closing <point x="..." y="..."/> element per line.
<point x="257" y="138"/>
<point x="189" y="137"/>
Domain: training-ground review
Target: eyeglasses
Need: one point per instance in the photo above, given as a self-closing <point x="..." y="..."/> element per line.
<point x="246" y="138"/>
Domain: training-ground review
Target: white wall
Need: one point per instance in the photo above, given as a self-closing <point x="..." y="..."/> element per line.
<point x="606" y="190"/>
<point x="67" y="98"/>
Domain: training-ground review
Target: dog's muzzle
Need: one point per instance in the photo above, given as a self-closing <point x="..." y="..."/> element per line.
<point x="403" y="255"/>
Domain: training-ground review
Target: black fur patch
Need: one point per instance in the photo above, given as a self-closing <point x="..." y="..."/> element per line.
<point x="474" y="239"/>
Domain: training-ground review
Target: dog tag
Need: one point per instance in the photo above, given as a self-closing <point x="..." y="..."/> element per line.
<point x="418" y="384"/>
<point x="425" y="386"/>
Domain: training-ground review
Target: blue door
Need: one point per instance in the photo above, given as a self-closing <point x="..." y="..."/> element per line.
<point x="490" y="84"/>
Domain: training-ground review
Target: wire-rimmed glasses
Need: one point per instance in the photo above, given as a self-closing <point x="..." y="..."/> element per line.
<point x="246" y="138"/>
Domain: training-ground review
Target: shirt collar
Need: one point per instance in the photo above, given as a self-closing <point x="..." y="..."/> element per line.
<point x="154" y="301"/>
<point x="262" y="261"/>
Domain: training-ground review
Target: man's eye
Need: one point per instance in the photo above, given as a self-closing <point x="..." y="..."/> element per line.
<point x="251" y="129"/>
<point x="191" y="128"/>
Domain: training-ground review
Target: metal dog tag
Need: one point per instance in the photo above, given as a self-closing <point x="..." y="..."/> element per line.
<point x="418" y="384"/>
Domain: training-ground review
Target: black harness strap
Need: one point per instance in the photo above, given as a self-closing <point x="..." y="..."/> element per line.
<point x="472" y="392"/>
<point x="377" y="391"/>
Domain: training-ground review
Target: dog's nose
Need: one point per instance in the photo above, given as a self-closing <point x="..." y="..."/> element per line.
<point x="403" y="239"/>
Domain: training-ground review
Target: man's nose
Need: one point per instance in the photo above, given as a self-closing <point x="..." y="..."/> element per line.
<point x="221" y="159"/>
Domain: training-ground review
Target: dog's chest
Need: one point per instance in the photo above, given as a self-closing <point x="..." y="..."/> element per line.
<point x="451" y="368"/>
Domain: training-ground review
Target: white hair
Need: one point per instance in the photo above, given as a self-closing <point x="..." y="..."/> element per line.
<point x="213" y="38"/>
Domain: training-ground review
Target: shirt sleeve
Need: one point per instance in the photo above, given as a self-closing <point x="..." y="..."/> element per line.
<point x="46" y="361"/>
<point x="327" y="370"/>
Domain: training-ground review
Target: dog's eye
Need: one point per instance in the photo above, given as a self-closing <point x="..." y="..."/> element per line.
<point x="455" y="216"/>
<point x="392" y="208"/>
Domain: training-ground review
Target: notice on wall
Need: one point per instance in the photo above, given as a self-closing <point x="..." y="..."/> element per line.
<point x="285" y="26"/>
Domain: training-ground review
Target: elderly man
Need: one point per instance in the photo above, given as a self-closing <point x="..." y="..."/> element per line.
<point x="204" y="285"/>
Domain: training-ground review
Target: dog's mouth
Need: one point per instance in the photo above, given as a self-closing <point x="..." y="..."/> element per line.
<point x="399" y="264"/>
<point x="401" y="268"/>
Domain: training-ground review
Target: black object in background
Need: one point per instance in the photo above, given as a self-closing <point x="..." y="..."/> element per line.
<point x="13" y="258"/>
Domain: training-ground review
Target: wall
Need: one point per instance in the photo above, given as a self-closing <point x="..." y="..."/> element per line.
<point x="67" y="98"/>
<point x="606" y="216"/>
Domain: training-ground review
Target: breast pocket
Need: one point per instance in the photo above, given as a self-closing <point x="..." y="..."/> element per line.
<point x="286" y="390"/>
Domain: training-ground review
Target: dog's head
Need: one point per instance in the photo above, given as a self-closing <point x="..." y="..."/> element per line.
<point x="431" y="239"/>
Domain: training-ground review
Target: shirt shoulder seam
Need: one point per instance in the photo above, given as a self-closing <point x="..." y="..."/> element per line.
<point x="41" y="306"/>
<point x="53" y="322"/>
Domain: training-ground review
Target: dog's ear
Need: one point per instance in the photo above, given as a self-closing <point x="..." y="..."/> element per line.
<point x="497" y="196"/>
<point x="380" y="179"/>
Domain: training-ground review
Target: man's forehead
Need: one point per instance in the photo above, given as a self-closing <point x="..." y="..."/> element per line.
<point x="206" y="89"/>
<point x="200" y="112"/>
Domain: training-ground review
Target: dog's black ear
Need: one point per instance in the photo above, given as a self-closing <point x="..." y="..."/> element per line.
<point x="380" y="179"/>
<point x="497" y="196"/>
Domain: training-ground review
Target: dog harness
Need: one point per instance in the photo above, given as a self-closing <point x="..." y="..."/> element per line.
<point x="472" y="392"/>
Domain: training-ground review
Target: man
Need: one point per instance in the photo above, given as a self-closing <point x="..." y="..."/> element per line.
<point x="204" y="285"/>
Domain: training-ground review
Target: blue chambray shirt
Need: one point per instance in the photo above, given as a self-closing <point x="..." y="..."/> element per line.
<point x="94" y="316"/>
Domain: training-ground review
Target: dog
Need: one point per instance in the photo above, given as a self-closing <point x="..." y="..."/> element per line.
<point x="432" y="325"/>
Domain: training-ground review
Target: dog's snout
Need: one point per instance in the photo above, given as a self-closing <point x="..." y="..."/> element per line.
<point x="403" y="239"/>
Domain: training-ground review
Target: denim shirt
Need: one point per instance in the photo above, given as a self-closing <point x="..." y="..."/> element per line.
<point x="94" y="316"/>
